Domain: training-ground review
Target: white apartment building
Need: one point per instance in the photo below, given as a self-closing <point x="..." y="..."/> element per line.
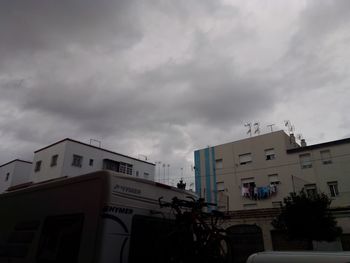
<point x="14" y="173"/>
<point x="72" y="158"/>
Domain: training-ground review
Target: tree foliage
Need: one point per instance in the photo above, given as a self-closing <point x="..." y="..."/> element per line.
<point x="307" y="217"/>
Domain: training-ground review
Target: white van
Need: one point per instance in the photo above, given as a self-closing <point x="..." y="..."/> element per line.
<point x="299" y="257"/>
<point x="102" y="217"/>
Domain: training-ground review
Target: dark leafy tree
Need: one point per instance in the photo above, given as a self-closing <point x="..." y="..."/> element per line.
<point x="307" y="217"/>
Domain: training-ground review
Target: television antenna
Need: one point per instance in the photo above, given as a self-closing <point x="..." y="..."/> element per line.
<point x="144" y="157"/>
<point x="289" y="126"/>
<point x="249" y="125"/>
<point x="270" y="126"/>
<point x="299" y="136"/>
<point x="96" y="141"/>
<point x="257" y="128"/>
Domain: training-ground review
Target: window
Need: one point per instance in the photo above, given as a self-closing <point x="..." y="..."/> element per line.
<point x="77" y="160"/>
<point x="247" y="187"/>
<point x="7" y="176"/>
<point x="270" y="154"/>
<point x="161" y="229"/>
<point x="333" y="188"/>
<point x="311" y="190"/>
<point x="125" y="168"/>
<point x="245" y="158"/>
<point x="122" y="168"/>
<point x="91" y="162"/>
<point x="305" y="160"/>
<point x="119" y="167"/>
<point x="246" y="182"/>
<point x="218" y="164"/>
<point x="54" y="160"/>
<point x="145" y="175"/>
<point x="273" y="179"/>
<point x="137" y="173"/>
<point x="111" y="165"/>
<point x="129" y="169"/>
<point x="60" y="239"/>
<point x="220" y="186"/>
<point x="37" y="166"/>
<point x="326" y="157"/>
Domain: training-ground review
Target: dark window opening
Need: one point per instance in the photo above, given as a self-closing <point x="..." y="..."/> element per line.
<point x="77" y="160"/>
<point x="162" y="244"/>
<point x="54" y="159"/>
<point x="60" y="239"/>
<point x="119" y="167"/>
<point x="333" y="188"/>
<point x="37" y="166"/>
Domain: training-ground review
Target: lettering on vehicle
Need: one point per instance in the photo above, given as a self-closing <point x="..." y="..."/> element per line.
<point x="118" y="210"/>
<point x="126" y="189"/>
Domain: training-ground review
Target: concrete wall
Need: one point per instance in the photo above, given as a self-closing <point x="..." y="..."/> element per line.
<point x="47" y="171"/>
<point x="18" y="173"/>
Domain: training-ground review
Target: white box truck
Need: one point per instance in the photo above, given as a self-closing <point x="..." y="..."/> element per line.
<point x="101" y="217"/>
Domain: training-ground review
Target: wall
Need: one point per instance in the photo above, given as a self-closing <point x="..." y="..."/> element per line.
<point x="65" y="151"/>
<point x="47" y="171"/>
<point x="8" y="168"/>
<point x="98" y="155"/>
<point x="22" y="172"/>
<point x="286" y="165"/>
<point x="19" y="173"/>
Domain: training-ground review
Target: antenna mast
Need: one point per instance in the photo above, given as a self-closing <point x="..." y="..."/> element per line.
<point x="249" y="125"/>
<point x="271" y="125"/>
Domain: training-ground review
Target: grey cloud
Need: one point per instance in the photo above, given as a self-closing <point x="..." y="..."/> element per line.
<point x="74" y="69"/>
<point x="28" y="27"/>
<point x="309" y="62"/>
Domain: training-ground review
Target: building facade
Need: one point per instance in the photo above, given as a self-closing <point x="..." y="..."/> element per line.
<point x="68" y="158"/>
<point x="258" y="172"/>
<point x="249" y="179"/>
<point x="14" y="173"/>
<point x="72" y="158"/>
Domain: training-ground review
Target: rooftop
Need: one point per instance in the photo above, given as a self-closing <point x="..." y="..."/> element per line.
<point x="319" y="145"/>
<point x="91" y="146"/>
<point x="15" y="160"/>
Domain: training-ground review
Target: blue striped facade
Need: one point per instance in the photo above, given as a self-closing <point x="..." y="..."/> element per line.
<point x="197" y="173"/>
<point x="208" y="175"/>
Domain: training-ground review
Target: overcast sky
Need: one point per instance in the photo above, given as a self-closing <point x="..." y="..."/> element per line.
<point x="163" y="78"/>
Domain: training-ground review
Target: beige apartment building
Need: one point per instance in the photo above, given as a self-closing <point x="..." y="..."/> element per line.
<point x="258" y="172"/>
<point x="249" y="179"/>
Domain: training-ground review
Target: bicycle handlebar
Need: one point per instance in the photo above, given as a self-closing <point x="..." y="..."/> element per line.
<point x="177" y="203"/>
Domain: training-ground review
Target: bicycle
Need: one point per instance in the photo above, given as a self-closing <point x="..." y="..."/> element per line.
<point x="196" y="236"/>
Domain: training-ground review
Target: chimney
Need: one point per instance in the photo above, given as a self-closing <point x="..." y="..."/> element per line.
<point x="292" y="138"/>
<point x="303" y="143"/>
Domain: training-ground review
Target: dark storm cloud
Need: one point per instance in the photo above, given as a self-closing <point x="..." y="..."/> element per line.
<point x="31" y="26"/>
<point x="160" y="78"/>
<point x="65" y="70"/>
<point x="309" y="61"/>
